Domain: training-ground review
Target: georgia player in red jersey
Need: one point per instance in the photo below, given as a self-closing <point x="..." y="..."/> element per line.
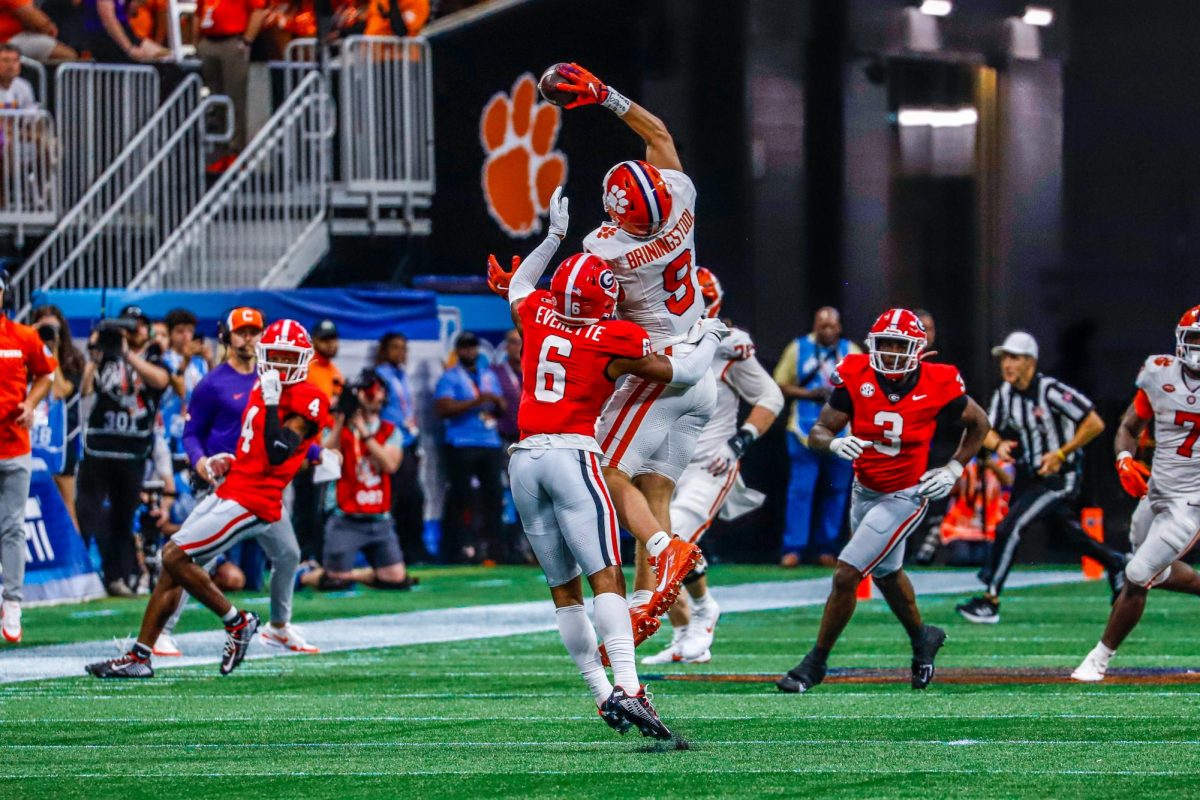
<point x="572" y="354"/>
<point x="891" y="401"/>
<point x="283" y="417"/>
<point x="1166" y="521"/>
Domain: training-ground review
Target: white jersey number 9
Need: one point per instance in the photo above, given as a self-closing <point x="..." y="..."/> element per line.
<point x="552" y="375"/>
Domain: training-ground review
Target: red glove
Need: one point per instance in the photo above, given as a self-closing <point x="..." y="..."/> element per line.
<point x="1133" y="475"/>
<point x="498" y="279"/>
<point x="587" y="88"/>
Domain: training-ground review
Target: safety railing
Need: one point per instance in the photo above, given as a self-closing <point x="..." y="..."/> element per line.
<point x="264" y="220"/>
<point x="387" y="112"/>
<point x="183" y="186"/>
<point x="29" y="165"/>
<point x="143" y="215"/>
<point x="98" y="108"/>
<point x="177" y="12"/>
<point x="35" y="73"/>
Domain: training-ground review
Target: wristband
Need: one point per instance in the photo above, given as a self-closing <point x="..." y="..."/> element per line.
<point x="314" y="452"/>
<point x="1062" y="456"/>
<point x="749" y="430"/>
<point x="955" y="467"/>
<point x="616" y="102"/>
<point x="1124" y="454"/>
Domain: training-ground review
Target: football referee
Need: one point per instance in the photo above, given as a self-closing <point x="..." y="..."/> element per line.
<point x="1049" y="424"/>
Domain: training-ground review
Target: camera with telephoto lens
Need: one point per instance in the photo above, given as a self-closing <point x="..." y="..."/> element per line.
<point x="347" y="403"/>
<point x="110" y="336"/>
<point x="48" y="334"/>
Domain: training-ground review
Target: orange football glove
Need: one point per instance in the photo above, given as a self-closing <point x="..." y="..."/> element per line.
<point x="1133" y="475"/>
<point x="498" y="279"/>
<point x="586" y="87"/>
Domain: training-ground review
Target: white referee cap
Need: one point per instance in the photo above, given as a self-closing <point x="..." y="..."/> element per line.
<point x="1017" y="343"/>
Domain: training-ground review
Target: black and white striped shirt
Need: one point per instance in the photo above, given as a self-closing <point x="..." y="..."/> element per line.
<point x="1042" y="419"/>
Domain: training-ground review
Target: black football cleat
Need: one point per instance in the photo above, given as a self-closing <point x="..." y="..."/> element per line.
<point x="925" y="649"/>
<point x="802" y="677"/>
<point x="638" y="710"/>
<point x="979" y="610"/>
<point x="610" y="712"/>
<point x="237" y="641"/>
<point x="127" y="666"/>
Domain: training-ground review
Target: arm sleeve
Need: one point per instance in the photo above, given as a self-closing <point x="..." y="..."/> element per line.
<point x="688" y="370"/>
<point x="754" y="385"/>
<point x="280" y="442"/>
<point x="1141" y="405"/>
<point x="525" y="279"/>
<point x="952" y="411"/>
<point x="785" y="370"/>
<point x="1070" y="403"/>
<point x="199" y="422"/>
<point x="839" y="400"/>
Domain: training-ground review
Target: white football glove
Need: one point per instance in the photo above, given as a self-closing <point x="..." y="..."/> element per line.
<point x="217" y="465"/>
<point x="937" y="483"/>
<point x="330" y="468"/>
<point x="272" y="387"/>
<point x="559" y="218"/>
<point x="848" y="447"/>
<point x="708" y="325"/>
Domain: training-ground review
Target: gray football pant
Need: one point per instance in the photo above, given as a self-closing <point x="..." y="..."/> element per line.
<point x="15" y="474"/>
<point x="279" y="543"/>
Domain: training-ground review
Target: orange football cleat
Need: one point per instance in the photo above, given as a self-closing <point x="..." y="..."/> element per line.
<point x="670" y="567"/>
<point x="644" y="626"/>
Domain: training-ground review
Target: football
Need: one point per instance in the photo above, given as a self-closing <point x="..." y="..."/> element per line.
<point x="548" y="86"/>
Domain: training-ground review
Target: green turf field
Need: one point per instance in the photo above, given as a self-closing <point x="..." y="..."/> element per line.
<point x="510" y="717"/>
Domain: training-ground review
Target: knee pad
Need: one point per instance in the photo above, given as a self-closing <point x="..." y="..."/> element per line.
<point x="1141" y="572"/>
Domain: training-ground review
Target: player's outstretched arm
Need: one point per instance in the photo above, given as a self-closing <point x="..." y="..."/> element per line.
<point x="683" y="371"/>
<point x="520" y="282"/>
<point x="588" y="89"/>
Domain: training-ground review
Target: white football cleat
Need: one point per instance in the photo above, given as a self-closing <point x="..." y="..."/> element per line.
<point x="1091" y="670"/>
<point x="10" y="621"/>
<point x="703" y="658"/>
<point x="165" y="645"/>
<point x="700" y="632"/>
<point x="288" y="638"/>
<point x="670" y="654"/>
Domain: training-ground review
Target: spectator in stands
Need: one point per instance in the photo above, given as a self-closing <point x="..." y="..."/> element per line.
<point x="187" y="358"/>
<point x="52" y="326"/>
<point x="109" y="37"/>
<point x="27" y="28"/>
<point x="362" y="521"/>
<point x="508" y="371"/>
<point x="396" y="17"/>
<point x="408" y="499"/>
<point x="225" y="32"/>
<point x="126" y="375"/>
<point x="15" y="91"/>
<point x="26" y="372"/>
<point x="469" y="401"/>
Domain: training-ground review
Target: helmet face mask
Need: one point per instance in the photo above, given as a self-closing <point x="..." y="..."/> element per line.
<point x="896" y="343"/>
<point x="1187" y="346"/>
<point x="285" y="347"/>
<point x="585" y="290"/>
<point x="637" y="199"/>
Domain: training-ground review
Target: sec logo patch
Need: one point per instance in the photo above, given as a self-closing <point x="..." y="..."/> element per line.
<point x="866" y="390"/>
<point x="1168" y="387"/>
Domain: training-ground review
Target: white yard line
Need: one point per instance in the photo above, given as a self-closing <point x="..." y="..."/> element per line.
<point x="458" y="624"/>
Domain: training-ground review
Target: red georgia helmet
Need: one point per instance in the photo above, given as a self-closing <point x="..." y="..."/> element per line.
<point x="902" y="325"/>
<point x="637" y="198"/>
<point x="1187" y="338"/>
<point x="282" y="338"/>
<point x="585" y="290"/>
<point x="711" y="291"/>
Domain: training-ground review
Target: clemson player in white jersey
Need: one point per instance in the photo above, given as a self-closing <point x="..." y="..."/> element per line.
<point x="648" y="431"/>
<point x="712" y="482"/>
<point x="1166" y="523"/>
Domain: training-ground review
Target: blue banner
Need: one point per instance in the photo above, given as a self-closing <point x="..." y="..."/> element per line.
<point x="57" y="567"/>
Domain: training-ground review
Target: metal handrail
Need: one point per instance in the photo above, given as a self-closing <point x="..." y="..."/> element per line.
<point x="263" y="209"/>
<point x="29" y="168"/>
<point x="102" y="194"/>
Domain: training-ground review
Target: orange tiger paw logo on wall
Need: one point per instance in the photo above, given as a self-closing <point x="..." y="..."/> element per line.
<point x="522" y="169"/>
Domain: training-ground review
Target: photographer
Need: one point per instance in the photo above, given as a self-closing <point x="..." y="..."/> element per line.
<point x="125" y="373"/>
<point x="362" y="522"/>
<point x="25" y="360"/>
<point x="56" y="431"/>
<point x="187" y="358"/>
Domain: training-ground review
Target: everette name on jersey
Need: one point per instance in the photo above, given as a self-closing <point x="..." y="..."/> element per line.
<point x="657" y="275"/>
<point x="1174" y="401"/>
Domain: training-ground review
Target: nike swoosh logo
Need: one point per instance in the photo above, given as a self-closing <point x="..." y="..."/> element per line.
<point x="662" y="584"/>
<point x="920" y="396"/>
